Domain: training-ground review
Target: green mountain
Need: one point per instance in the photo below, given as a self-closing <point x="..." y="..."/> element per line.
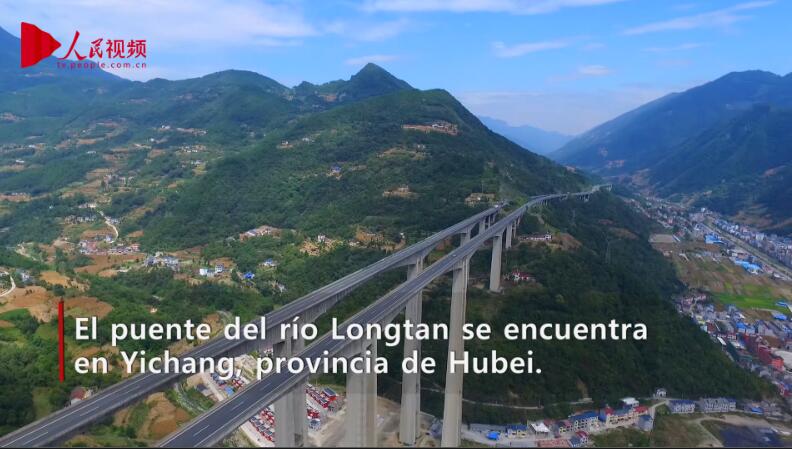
<point x="389" y="178"/>
<point x="724" y="143"/>
<point x="187" y="164"/>
<point x="744" y="164"/>
<point x="642" y="137"/>
<point x="46" y="72"/>
<point x="372" y="80"/>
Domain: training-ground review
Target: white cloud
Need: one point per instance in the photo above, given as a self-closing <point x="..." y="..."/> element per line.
<point x="569" y="112"/>
<point x="714" y="19"/>
<point x="166" y="23"/>
<point x="512" y="51"/>
<point x="498" y="6"/>
<point x="680" y="47"/>
<point x="362" y="60"/>
<point x="593" y="70"/>
<point x="369" y="31"/>
<point x="382" y="31"/>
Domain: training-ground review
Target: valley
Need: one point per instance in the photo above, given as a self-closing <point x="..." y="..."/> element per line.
<point x="642" y="268"/>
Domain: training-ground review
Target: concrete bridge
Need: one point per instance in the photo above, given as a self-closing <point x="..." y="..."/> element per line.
<point x="287" y="391"/>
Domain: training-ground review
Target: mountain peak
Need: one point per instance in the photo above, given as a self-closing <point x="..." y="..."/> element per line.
<point x="370" y="81"/>
<point x="372" y="75"/>
<point x="372" y="69"/>
<point x="752" y="75"/>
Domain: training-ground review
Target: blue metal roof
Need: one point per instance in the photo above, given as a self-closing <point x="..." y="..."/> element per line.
<point x="584" y="415"/>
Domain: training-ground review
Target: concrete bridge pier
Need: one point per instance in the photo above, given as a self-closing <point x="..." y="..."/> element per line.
<point x="465" y="235"/>
<point x="361" y="415"/>
<point x="411" y="382"/>
<point x="298" y="402"/>
<point x="452" y="409"/>
<point x="495" y="264"/>
<point x="291" y="425"/>
<point x="284" y="407"/>
<point x="509" y="231"/>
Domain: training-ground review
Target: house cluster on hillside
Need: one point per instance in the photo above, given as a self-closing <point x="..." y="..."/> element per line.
<point x="259" y="231"/>
<point x="518" y="276"/>
<point x="762" y="346"/>
<point x="210" y="272"/>
<point x="703" y="405"/>
<point x="79" y="219"/>
<point x="162" y="260"/>
<point x="574" y="431"/>
<point x="439" y="126"/>
<point x="542" y="237"/>
<point x="683" y="222"/>
<point x="696" y="225"/>
<point x="103" y="244"/>
<point x="774" y="245"/>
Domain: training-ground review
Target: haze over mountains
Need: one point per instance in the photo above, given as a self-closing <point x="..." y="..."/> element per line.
<point x="725" y="143"/>
<point x="538" y="140"/>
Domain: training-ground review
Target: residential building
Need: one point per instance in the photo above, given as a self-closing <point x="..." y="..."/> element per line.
<point x="584" y="421"/>
<point x="681" y="406"/>
<point x="717" y="405"/>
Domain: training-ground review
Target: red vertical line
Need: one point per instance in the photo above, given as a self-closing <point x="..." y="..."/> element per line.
<point x="61" y="353"/>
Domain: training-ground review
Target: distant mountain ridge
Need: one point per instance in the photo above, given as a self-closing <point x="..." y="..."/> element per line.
<point x="13" y="77"/>
<point x="369" y="164"/>
<point x="531" y="138"/>
<point x="725" y="143"/>
<point x="233" y="103"/>
<point x="635" y="140"/>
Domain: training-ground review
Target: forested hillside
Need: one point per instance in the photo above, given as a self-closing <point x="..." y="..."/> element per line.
<point x="120" y="197"/>
<point x="357" y="165"/>
<point x="724" y="144"/>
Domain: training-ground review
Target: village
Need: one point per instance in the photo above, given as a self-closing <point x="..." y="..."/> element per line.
<point x="582" y="428"/>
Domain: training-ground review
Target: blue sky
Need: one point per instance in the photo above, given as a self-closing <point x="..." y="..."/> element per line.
<point x="563" y="65"/>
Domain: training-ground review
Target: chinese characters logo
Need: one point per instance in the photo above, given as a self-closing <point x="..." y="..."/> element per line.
<point x="37" y="44"/>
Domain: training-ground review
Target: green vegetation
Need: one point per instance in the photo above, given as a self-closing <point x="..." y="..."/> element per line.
<point x="677" y="431"/>
<point x="627" y="437"/>
<point x="29" y="375"/>
<point x="42" y="179"/>
<point x="135" y="294"/>
<point x="279" y="146"/>
<point x="293" y="188"/>
<point x="137" y="416"/>
<point x="41" y="402"/>
<point x="755" y="297"/>
<point x="731" y="159"/>
<point x="38" y="220"/>
<point x="611" y="276"/>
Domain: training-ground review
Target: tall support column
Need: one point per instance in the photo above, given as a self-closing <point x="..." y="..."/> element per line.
<point x="298" y="401"/>
<point x="482" y="226"/>
<point x="465" y="236"/>
<point x="411" y="382"/>
<point x="452" y="409"/>
<point x="509" y="235"/>
<point x="495" y="265"/>
<point x="361" y="416"/>
<point x="284" y="407"/>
